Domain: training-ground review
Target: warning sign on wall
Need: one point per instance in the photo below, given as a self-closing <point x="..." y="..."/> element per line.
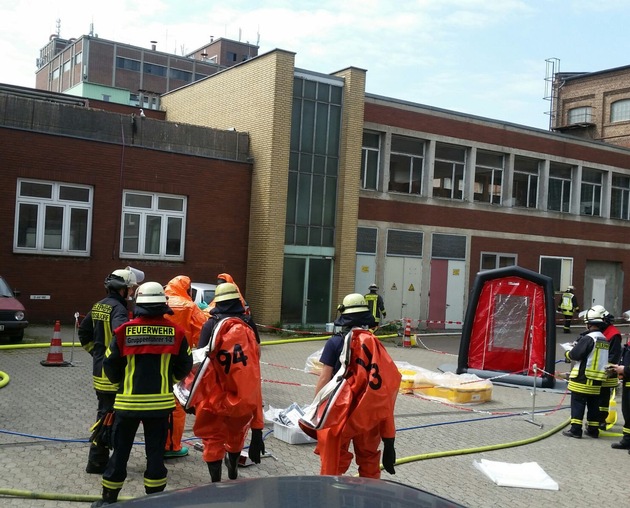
<point x="411" y="288"/>
<point x="394" y="288"/>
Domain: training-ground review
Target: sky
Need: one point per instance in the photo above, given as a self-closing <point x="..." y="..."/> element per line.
<point x="481" y="57"/>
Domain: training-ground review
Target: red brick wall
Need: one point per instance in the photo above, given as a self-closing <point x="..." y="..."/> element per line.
<point x="499" y="135"/>
<point x="216" y="225"/>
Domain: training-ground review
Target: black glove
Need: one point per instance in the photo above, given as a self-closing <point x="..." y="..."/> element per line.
<point x="191" y="410"/>
<point x="256" y="446"/>
<point x="389" y="455"/>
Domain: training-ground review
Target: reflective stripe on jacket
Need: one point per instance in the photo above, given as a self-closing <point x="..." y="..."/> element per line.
<point x="591" y="356"/>
<point x="566" y="304"/>
<point x="149" y="355"/>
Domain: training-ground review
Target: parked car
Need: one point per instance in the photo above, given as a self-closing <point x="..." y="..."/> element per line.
<point x="12" y="313"/>
<point x="202" y="293"/>
<point x="290" y="491"/>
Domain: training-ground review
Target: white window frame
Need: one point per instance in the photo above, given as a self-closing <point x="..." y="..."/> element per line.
<point x="498" y="256"/>
<point x="592" y="204"/>
<point x="41" y="235"/>
<point x="620" y="111"/>
<point x="489" y="190"/>
<point x="581" y="114"/>
<point x="145" y="213"/>
<point x="412" y="164"/>
<point x="566" y="271"/>
<point x="620" y="193"/>
<point x="367" y="154"/>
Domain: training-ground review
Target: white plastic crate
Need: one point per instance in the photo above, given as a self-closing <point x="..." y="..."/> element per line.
<point x="291" y="435"/>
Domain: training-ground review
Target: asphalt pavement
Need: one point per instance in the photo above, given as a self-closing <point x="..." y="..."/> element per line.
<point x="46" y="412"/>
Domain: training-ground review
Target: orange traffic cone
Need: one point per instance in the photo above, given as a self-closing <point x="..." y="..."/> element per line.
<point x="407" y="337"/>
<point x="55" y="355"/>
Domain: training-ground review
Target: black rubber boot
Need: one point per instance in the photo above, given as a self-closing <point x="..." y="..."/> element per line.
<point x="94" y="468"/>
<point x="215" y="470"/>
<point x="110" y="496"/>
<point x="231" y="461"/>
<point x="624" y="444"/>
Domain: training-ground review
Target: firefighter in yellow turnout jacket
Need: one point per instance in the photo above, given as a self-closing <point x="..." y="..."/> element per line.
<point x="148" y="356"/>
<point x="568" y="306"/>
<point x="376" y="304"/>
<point x="95" y="333"/>
<point x="590" y="353"/>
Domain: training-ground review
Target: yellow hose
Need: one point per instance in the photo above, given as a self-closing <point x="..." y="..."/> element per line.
<point x="405" y="460"/>
<point x="28" y="494"/>
<point x="464" y="451"/>
<point x="309" y="339"/>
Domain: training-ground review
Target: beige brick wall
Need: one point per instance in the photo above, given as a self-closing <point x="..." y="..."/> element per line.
<point x="253" y="97"/>
<point x="598" y="91"/>
<point x="348" y="182"/>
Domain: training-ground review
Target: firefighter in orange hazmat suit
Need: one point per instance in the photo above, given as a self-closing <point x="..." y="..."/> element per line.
<point x="222" y="278"/>
<point x="227" y="394"/>
<point x="355" y="396"/>
<point x="191" y="319"/>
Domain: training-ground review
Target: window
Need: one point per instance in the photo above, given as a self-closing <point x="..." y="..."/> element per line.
<point x="52" y="218"/>
<point x="369" y="160"/>
<point x="559" y="269"/>
<point x="154" y="69"/>
<point x="620" y="197"/>
<point x="580" y="115"/>
<point x="404" y="243"/>
<point x="559" y="198"/>
<point x="525" y="183"/>
<point x="366" y="240"/>
<point x="127" y="64"/>
<point x="488" y="177"/>
<point x="591" y="192"/>
<point x="620" y="111"/>
<point x="78" y="58"/>
<point x="493" y="260"/>
<point x="448" y="246"/>
<point x="180" y="74"/>
<point x="405" y="164"/>
<point x="448" y="174"/>
<point x="55" y="74"/>
<point x="153" y="226"/>
<point x="66" y="66"/>
<point x="313" y="163"/>
<point x="231" y="56"/>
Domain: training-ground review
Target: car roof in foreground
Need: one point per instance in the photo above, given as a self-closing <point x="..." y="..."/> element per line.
<point x="203" y="285"/>
<point x="302" y="491"/>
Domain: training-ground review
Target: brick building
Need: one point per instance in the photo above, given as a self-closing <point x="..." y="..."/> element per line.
<point x="333" y="188"/>
<point x="87" y="191"/>
<point x="83" y="67"/>
<point x="593" y="105"/>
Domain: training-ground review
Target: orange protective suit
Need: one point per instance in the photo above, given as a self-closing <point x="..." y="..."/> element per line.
<point x="359" y="407"/>
<point x="227" y="394"/>
<point x="191" y="319"/>
<point x="227" y="278"/>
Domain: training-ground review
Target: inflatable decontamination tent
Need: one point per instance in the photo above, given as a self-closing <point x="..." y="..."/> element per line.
<point x="509" y="330"/>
